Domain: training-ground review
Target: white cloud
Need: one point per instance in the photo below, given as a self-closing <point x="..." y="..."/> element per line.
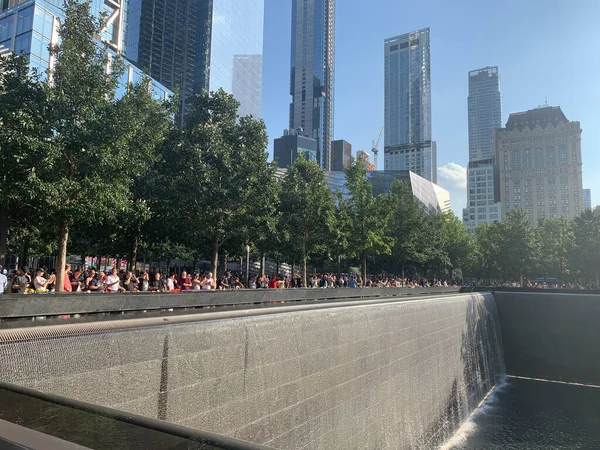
<point x="453" y="175"/>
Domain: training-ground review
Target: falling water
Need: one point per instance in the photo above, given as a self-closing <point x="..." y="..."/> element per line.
<point x="394" y="375"/>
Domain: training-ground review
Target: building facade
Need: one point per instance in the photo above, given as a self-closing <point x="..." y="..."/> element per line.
<point x="538" y="155"/>
<point x="408" y="139"/>
<point x="365" y="159"/>
<point x="31" y="26"/>
<point x="287" y="148"/>
<point x="312" y="73"/>
<point x="341" y="152"/>
<point x="485" y="116"/>
<point x="199" y="45"/>
<point x="587" y="199"/>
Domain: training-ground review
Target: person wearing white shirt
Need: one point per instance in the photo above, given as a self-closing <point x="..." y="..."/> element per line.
<point x="3" y="281"/>
<point x="113" y="282"/>
<point x="40" y="283"/>
<point x="208" y="283"/>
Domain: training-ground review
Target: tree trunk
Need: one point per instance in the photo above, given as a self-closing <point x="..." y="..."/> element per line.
<point x="133" y="252"/>
<point x="223" y="267"/>
<point x="521" y="277"/>
<point x="363" y="268"/>
<point x="403" y="271"/>
<point x="304" y="279"/>
<point x="262" y="264"/>
<point x="61" y="259"/>
<point x="3" y="234"/>
<point x="214" y="258"/>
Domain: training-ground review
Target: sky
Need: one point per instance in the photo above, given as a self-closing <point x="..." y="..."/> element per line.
<point x="546" y="51"/>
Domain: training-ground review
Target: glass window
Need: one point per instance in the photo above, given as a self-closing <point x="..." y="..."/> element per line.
<point x="23" y="43"/>
<point x="6" y="43"/>
<point x="6" y="27"/>
<point x="42" y="22"/>
<point x="39" y="46"/>
<point x="539" y="159"/>
<point x="527" y="159"/>
<point x="516" y="159"/>
<point x="550" y="157"/>
<point x="562" y="155"/>
<point x="25" y="20"/>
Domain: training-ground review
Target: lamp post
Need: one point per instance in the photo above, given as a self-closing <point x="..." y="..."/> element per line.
<point x="247" y="266"/>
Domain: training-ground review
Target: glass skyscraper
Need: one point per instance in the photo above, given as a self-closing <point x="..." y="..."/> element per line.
<point x="312" y="70"/>
<point x="485" y="115"/>
<point x="30" y="26"/>
<point x="200" y="44"/>
<point x="408" y="143"/>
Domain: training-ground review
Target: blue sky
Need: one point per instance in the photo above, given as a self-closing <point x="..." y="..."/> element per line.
<point x="545" y="49"/>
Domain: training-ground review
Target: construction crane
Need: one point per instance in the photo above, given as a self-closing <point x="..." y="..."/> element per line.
<point x="375" y="147"/>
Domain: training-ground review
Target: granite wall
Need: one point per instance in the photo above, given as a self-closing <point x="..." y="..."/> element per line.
<point x="391" y="376"/>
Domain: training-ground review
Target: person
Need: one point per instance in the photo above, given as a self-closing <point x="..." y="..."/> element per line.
<point x="40" y="283"/>
<point x="352" y="283"/>
<point x="113" y="282"/>
<point x="67" y="279"/>
<point x="209" y="283"/>
<point x="130" y="282"/>
<point x="3" y="281"/>
<point x="185" y="282"/>
<point x="158" y="285"/>
<point x="196" y="282"/>
<point x="20" y="282"/>
<point x="91" y="283"/>
<point x="225" y="281"/>
<point x="171" y="282"/>
<point x="237" y="284"/>
<point x="144" y="281"/>
<point x="75" y="281"/>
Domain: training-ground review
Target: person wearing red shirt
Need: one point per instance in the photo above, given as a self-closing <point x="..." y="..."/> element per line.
<point x="67" y="279"/>
<point x="185" y="282"/>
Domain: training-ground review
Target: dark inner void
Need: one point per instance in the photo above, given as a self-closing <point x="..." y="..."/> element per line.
<point x="87" y="429"/>
<point x="530" y="415"/>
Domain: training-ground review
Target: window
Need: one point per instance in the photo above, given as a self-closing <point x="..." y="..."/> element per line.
<point x="516" y="159"/>
<point x="562" y="155"/>
<point x="550" y="157"/>
<point x="393" y="48"/>
<point x="539" y="160"/>
<point x="23" y="43"/>
<point x="527" y="159"/>
<point x="25" y="20"/>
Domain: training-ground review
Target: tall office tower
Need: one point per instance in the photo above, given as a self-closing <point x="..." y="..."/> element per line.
<point x="587" y="199"/>
<point x="341" y="152"/>
<point x="312" y="68"/>
<point x="408" y="144"/>
<point x="485" y="115"/>
<point x="200" y="44"/>
<point x="538" y="156"/>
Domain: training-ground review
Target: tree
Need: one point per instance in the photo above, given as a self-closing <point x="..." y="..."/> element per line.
<point x="23" y="129"/>
<point x="95" y="151"/>
<point x="587" y="241"/>
<point x="557" y="242"/>
<point x="459" y="245"/>
<point x="487" y="239"/>
<point x="519" y="245"/>
<point x="367" y="217"/>
<point x="307" y="210"/>
<point x="404" y="225"/>
<point x="217" y="182"/>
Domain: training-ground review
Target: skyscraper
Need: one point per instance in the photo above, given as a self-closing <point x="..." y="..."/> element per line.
<point x="408" y="144"/>
<point x="538" y="155"/>
<point x="341" y="152"/>
<point x="485" y="115"/>
<point x="200" y="44"/>
<point x="587" y="199"/>
<point x="311" y="78"/>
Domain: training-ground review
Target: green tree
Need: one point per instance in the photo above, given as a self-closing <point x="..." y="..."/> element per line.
<point x="405" y="225"/>
<point x="459" y="244"/>
<point x="557" y="242"/>
<point x="487" y="239"/>
<point x="23" y="129"/>
<point x="519" y="245"/>
<point x="307" y="210"/>
<point x="587" y="242"/>
<point x="96" y="151"/>
<point x="367" y="217"/>
<point x="217" y="183"/>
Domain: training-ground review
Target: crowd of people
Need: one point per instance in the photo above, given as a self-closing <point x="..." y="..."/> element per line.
<point x="90" y="279"/>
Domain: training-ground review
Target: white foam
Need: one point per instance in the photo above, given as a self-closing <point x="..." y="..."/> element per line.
<point x="489" y="402"/>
